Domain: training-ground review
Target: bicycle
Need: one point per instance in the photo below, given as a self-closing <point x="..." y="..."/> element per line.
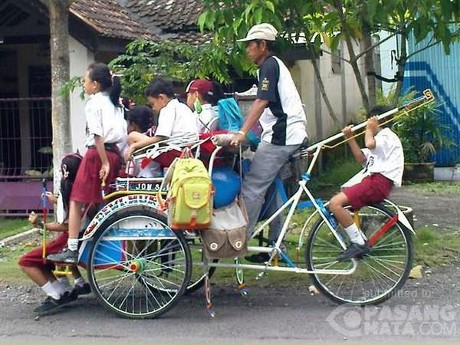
<point x="138" y="267"/>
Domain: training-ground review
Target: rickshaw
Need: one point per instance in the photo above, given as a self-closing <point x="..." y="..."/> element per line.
<point x="138" y="267"/>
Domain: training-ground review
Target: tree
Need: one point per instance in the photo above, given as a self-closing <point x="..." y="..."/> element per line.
<point x="180" y="61"/>
<point x="231" y="20"/>
<point x="60" y="73"/>
<point x="333" y="21"/>
<point x="216" y="58"/>
<point x="328" y="22"/>
<point x="352" y="20"/>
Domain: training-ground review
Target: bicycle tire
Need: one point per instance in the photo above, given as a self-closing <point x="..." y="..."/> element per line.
<point x="138" y="267"/>
<point x="378" y="275"/>
<point x="197" y="278"/>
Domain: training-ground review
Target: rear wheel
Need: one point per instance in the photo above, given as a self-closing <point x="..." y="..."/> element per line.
<point x="138" y="267"/>
<point x="378" y="274"/>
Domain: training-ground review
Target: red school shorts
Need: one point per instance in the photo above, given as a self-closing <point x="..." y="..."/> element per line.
<point x="87" y="186"/>
<point x="34" y="257"/>
<point x="371" y="190"/>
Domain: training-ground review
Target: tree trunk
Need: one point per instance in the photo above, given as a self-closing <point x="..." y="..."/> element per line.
<point x="323" y="90"/>
<point x="60" y="72"/>
<point x="401" y="63"/>
<point x="369" y="65"/>
<point x="352" y="56"/>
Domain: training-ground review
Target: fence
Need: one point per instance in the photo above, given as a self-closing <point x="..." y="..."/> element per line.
<point x="25" y="153"/>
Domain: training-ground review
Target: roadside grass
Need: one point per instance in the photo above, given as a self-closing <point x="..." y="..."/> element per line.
<point x="13" y="226"/>
<point x="434" y="247"/>
<point x="9" y="255"/>
<point x="9" y="268"/>
<point x="438" y="187"/>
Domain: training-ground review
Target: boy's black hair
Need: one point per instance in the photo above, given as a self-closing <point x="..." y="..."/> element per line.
<point x="159" y="86"/>
<point x="377" y="110"/>
<point x="69" y="167"/>
<point x="142" y="116"/>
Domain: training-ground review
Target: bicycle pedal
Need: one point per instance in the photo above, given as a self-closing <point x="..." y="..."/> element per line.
<point x="260" y="275"/>
<point x="210" y="310"/>
<point x="243" y="289"/>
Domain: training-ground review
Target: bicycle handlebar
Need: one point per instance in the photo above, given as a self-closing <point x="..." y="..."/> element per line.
<point x="408" y="106"/>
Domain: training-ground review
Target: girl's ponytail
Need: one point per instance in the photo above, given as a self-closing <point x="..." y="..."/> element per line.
<point x="115" y="91"/>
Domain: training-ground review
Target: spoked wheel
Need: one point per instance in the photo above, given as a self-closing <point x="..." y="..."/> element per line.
<point x="197" y="278"/>
<point x="378" y="274"/>
<point x="138" y="267"/>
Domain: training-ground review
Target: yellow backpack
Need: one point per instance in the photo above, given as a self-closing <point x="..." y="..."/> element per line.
<point x="189" y="199"/>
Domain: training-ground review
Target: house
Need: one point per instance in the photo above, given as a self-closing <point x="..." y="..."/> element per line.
<point x="99" y="30"/>
<point x="432" y="69"/>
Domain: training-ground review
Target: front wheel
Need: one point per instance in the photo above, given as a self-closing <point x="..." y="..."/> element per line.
<point x="378" y="274"/>
<point x="138" y="267"/>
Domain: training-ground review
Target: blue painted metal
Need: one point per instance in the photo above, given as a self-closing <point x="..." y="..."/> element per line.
<point x="435" y="70"/>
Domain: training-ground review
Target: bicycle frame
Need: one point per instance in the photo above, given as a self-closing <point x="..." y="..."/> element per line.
<point x="293" y="203"/>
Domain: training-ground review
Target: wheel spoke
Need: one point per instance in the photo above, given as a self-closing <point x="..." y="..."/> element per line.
<point x="139" y="267"/>
<point x="378" y="273"/>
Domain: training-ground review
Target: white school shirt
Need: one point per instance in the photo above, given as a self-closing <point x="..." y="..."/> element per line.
<point x="104" y="119"/>
<point x="205" y="117"/>
<point x="387" y="158"/>
<point x="283" y="121"/>
<point x="176" y="119"/>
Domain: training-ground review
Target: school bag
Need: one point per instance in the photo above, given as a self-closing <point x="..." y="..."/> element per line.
<point x="231" y="119"/>
<point x="189" y="198"/>
<point x="226" y="236"/>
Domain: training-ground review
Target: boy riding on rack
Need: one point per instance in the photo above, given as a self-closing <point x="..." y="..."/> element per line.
<point x="383" y="162"/>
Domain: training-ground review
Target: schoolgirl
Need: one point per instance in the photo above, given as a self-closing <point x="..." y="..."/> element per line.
<point x="106" y="128"/>
<point x="58" y="289"/>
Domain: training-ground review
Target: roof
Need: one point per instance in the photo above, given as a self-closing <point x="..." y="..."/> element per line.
<point x="148" y="19"/>
<point x="109" y="19"/>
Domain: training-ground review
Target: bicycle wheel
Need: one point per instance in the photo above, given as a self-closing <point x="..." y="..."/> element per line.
<point x="138" y="267"/>
<point x="197" y="278"/>
<point x="378" y="275"/>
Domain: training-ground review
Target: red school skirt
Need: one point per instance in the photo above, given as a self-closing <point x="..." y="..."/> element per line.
<point x="87" y="186"/>
<point x="34" y="257"/>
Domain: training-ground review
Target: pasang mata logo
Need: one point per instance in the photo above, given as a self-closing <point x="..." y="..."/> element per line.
<point x="435" y="320"/>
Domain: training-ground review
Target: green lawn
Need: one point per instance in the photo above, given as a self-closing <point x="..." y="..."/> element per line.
<point x="12" y="226"/>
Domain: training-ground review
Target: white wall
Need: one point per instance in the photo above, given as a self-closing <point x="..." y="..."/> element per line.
<point x="341" y="89"/>
<point x="80" y="58"/>
<point x="387" y="63"/>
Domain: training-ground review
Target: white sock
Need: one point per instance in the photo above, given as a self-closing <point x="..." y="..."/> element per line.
<point x="64" y="282"/>
<point x="80" y="281"/>
<point x="58" y="287"/>
<point x="72" y="243"/>
<point x="355" y="234"/>
<point x="49" y="289"/>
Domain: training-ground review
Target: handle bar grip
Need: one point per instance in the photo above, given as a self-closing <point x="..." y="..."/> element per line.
<point x="222" y="139"/>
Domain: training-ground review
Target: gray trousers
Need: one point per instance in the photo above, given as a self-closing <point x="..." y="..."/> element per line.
<point x="266" y="163"/>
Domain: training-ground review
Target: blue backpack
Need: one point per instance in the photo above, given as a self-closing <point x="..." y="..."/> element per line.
<point x="231" y="119"/>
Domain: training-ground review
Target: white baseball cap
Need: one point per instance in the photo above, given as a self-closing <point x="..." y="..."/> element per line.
<point x="262" y="31"/>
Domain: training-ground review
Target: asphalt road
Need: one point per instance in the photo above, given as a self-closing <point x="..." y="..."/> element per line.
<point x="424" y="311"/>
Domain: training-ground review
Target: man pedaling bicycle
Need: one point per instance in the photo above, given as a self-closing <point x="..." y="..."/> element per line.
<point x="383" y="162"/>
<point x="279" y="110"/>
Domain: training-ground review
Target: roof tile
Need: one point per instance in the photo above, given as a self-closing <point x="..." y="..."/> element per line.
<point x="109" y="19"/>
<point x="149" y="19"/>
